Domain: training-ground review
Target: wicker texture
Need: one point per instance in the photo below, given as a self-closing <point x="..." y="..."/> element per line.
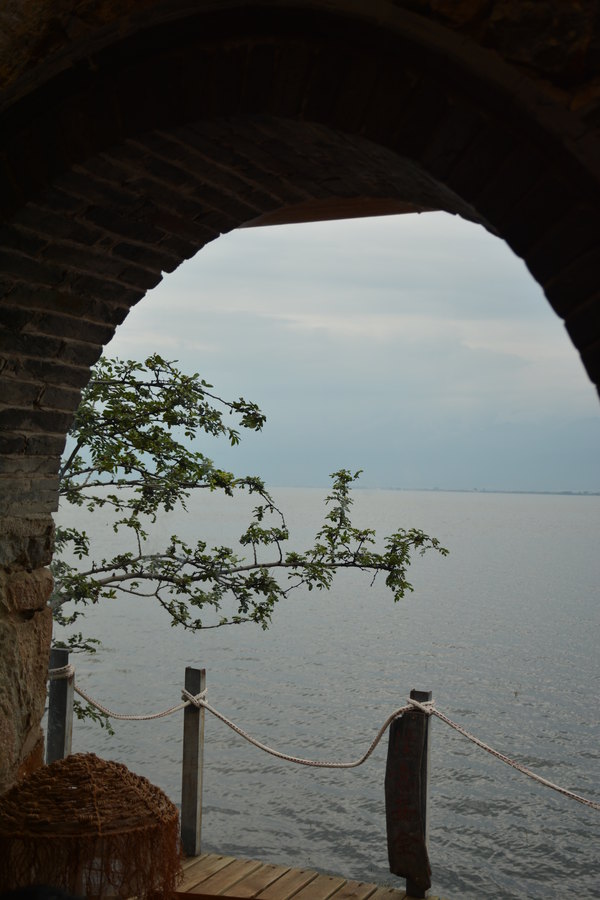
<point x="91" y="827"/>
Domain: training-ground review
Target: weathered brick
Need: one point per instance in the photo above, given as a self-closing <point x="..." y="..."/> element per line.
<point x="184" y="249"/>
<point x="481" y="160"/>
<point x="26" y="465"/>
<point x="50" y="371"/>
<point x="324" y="82"/>
<point x="170" y="223"/>
<point x="583" y="325"/>
<point x="48" y="222"/>
<point x="39" y="395"/>
<point x="575" y="285"/>
<point x="392" y="90"/>
<point x="548" y="200"/>
<point x="208" y="180"/>
<point x="456" y="130"/>
<point x="70" y="327"/>
<point x="89" y="286"/>
<point x="139" y="279"/>
<point x="28" y="590"/>
<point x="35" y="420"/>
<point x="21" y="241"/>
<point x="563" y="242"/>
<point x="82" y="185"/>
<point x="11" y="196"/>
<point x="58" y="397"/>
<point x="26" y="503"/>
<point x="14" y="317"/>
<point x="147" y="257"/>
<point x="23" y="268"/>
<point x="161" y="200"/>
<point x="45" y="444"/>
<point x="221" y="76"/>
<point x="53" y="199"/>
<point x="29" y="344"/>
<point x="71" y="352"/>
<point x="590" y="357"/>
<point x="58" y="301"/>
<point x="28" y="166"/>
<point x="122" y="227"/>
<point x="12" y="443"/>
<point x="524" y="167"/>
<point x="105" y="168"/>
<point x="43" y="324"/>
<point x="13" y="486"/>
<point x="140" y="159"/>
<point x="26" y="542"/>
<point x="241" y="209"/>
<point x="24" y="643"/>
<point x="101" y="265"/>
<point x="78" y="353"/>
<point x="20" y="393"/>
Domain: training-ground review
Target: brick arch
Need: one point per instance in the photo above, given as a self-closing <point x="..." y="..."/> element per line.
<point x="156" y="143"/>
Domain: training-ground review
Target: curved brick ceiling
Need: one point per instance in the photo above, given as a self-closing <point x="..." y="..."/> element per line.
<point x="132" y="133"/>
<point x="131" y="159"/>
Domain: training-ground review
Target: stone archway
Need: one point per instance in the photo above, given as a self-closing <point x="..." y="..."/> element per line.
<point x="129" y="146"/>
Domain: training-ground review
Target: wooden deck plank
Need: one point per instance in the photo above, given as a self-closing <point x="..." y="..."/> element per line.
<point x="288" y="885"/>
<point x="355" y="890"/>
<point x="259" y="880"/>
<point x="211" y="875"/>
<point x="321" y="887"/>
<point x="202" y="861"/>
<point x="228" y="877"/>
<point x="202" y="867"/>
<point x="207" y="863"/>
<point x="388" y="893"/>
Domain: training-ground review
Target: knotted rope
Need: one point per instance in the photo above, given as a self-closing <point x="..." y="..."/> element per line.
<point x="428" y="708"/>
<point x="61" y="673"/>
<point x="68" y="671"/>
<point x="430" y="711"/>
<point x="300" y="761"/>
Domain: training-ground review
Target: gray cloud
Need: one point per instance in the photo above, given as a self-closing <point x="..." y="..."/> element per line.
<point x="415" y="347"/>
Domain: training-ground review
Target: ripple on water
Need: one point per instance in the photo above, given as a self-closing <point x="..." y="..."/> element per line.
<point x="504" y="632"/>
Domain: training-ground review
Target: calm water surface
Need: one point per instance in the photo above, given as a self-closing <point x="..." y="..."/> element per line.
<point x="504" y="632"/>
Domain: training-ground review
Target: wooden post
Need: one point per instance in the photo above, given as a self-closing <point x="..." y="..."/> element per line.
<point x="191" y="776"/>
<point x="60" y="710"/>
<point x="412" y="889"/>
<point x="406" y="798"/>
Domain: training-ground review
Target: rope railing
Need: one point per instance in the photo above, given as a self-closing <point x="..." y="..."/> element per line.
<point x="68" y="671"/>
<point x="298" y="760"/>
<point x="199" y="701"/>
<point x="503" y="758"/>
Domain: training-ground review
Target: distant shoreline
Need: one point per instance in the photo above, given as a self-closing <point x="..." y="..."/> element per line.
<point x="439" y="490"/>
<point x="436" y="490"/>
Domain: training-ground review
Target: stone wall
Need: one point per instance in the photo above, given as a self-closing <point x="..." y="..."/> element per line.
<point x="134" y="132"/>
<point x="26" y="621"/>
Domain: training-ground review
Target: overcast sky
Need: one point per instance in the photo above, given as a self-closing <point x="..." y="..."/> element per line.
<point x="417" y="348"/>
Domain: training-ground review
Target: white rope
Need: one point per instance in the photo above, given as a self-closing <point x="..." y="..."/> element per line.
<point x="140" y="718"/>
<point x="505" y="759"/>
<point x="428" y="708"/>
<point x="300" y="761"/>
<point x="61" y="673"/>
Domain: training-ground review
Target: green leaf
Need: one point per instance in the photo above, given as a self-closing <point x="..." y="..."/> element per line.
<point x="133" y="450"/>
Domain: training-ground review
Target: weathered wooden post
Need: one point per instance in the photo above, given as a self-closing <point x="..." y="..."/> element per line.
<point x="413" y="889"/>
<point x="60" y="709"/>
<point x="406" y="780"/>
<point x="193" y="755"/>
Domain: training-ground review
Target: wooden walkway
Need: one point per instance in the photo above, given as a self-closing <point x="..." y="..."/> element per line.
<point x="209" y="874"/>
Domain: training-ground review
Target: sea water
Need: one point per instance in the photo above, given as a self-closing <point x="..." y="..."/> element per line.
<point x="504" y="632"/>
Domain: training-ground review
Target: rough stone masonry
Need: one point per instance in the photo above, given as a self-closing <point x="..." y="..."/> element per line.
<point x="134" y="132"/>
